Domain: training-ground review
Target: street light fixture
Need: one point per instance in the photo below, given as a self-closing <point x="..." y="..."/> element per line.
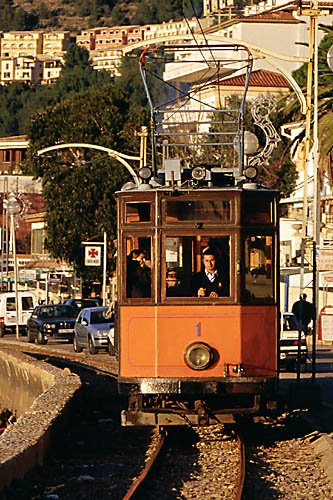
<point x="14" y="208"/>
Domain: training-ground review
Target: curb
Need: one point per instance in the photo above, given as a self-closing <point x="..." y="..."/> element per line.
<point x="324" y="448"/>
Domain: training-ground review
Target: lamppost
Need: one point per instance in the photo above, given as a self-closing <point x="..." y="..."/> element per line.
<point x="14" y="208"/>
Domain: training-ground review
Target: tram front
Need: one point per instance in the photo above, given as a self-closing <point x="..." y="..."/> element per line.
<point x="197" y="303"/>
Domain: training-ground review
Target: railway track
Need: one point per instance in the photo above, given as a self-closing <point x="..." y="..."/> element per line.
<point x="99" y="459"/>
<point x="187" y="447"/>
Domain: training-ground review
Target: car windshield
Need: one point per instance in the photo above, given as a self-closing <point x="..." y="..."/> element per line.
<point x="81" y="304"/>
<point x="62" y="311"/>
<point x="99" y="317"/>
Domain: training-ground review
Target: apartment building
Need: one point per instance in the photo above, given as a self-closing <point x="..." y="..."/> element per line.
<point x="105" y="44"/>
<point x="32" y="56"/>
<point x="20" y="69"/>
<point x="55" y="42"/>
<point x="21" y="43"/>
<point x="107" y="60"/>
<point x="51" y="68"/>
<point x="87" y="38"/>
<point x="12" y="152"/>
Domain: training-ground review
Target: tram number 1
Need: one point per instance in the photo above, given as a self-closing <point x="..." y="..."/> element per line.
<point x="198" y="325"/>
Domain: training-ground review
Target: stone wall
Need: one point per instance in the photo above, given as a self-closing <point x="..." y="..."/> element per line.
<point x="41" y="396"/>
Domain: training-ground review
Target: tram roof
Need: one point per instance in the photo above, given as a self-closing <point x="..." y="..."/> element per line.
<point x="148" y="188"/>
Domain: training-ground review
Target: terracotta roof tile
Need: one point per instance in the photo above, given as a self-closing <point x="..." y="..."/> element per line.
<point x="259" y="78"/>
<point x="279" y="16"/>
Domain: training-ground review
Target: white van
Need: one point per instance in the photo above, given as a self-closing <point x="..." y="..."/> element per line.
<point x="289" y="343"/>
<point x="27" y="303"/>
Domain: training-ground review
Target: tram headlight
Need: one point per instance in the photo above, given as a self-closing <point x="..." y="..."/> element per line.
<point x="198" y="356"/>
<point x="198" y="173"/>
<point x="251" y="172"/>
<point x="145" y="173"/>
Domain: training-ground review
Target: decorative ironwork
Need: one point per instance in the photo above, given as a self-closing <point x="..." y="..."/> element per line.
<point x="261" y="108"/>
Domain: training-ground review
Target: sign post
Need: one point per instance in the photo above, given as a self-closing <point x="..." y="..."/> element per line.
<point x="93" y="251"/>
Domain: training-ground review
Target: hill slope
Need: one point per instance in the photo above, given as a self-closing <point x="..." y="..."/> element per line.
<point x="75" y="15"/>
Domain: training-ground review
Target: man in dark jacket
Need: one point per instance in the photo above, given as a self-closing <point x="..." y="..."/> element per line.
<point x="303" y="310"/>
<point x="209" y="282"/>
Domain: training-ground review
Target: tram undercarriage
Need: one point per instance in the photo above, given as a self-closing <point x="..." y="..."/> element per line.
<point x="197" y="402"/>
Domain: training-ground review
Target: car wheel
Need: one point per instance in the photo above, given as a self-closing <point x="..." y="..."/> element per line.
<point x="40" y="339"/>
<point x="76" y="346"/>
<point x="2" y="331"/>
<point x="31" y="339"/>
<point x="92" y="348"/>
<point x="111" y="349"/>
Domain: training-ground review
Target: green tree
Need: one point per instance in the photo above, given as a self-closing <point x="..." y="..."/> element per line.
<point x="19" y="101"/>
<point x="78" y="186"/>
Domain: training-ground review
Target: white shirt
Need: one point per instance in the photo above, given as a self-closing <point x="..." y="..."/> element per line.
<point x="211" y="276"/>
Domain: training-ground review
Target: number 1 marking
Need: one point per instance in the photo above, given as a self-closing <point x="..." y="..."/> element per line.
<point x="198" y="325"/>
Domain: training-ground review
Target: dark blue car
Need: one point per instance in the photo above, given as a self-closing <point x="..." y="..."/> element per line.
<point x="80" y="304"/>
<point x="51" y="321"/>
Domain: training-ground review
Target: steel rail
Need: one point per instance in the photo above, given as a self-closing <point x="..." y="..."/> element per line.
<point x="135" y="487"/>
<point x="241" y="478"/>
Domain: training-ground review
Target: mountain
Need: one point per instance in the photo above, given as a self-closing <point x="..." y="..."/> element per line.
<point x="75" y="15"/>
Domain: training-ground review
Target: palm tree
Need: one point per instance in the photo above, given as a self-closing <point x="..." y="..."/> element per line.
<point x="290" y="107"/>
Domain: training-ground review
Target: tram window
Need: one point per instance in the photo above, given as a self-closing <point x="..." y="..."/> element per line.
<point x="258" y="268"/>
<point x="187" y="258"/>
<point x="137" y="212"/>
<point x="138" y="267"/>
<point x="258" y="211"/>
<point x="198" y="210"/>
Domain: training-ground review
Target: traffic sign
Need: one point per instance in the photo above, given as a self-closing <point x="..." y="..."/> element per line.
<point x="92" y="255"/>
<point x="325" y="330"/>
<point x="54" y="277"/>
<point x="325" y="259"/>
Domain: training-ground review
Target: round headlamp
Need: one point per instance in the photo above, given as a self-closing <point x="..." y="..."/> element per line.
<point x="145" y="173"/>
<point x="251" y="172"/>
<point x="198" y="356"/>
<point x="198" y="173"/>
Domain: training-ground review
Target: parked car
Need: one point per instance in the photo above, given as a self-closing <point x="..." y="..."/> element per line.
<point x="92" y="329"/>
<point x="51" y="321"/>
<point x="80" y="304"/>
<point x="27" y="301"/>
<point x="289" y="342"/>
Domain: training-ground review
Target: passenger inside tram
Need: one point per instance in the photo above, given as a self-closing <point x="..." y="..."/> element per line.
<point x="200" y="265"/>
<point x="210" y="281"/>
<point x="138" y="282"/>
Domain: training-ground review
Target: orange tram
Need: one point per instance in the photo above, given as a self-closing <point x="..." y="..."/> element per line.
<point x="197" y="316"/>
<point x="185" y="357"/>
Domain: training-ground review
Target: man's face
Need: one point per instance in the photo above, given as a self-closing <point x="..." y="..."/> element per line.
<point x="210" y="263"/>
<point x="141" y="258"/>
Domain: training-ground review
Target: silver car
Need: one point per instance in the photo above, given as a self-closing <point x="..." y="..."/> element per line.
<point x="92" y="329"/>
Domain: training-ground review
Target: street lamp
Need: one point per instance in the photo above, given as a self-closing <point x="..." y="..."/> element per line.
<point x="14" y="208"/>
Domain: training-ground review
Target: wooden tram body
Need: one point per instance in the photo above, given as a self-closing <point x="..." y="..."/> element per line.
<point x="197" y="347"/>
<point x="239" y="329"/>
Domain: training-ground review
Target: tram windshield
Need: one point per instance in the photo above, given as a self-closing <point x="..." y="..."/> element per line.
<point x="259" y="283"/>
<point x="197" y="266"/>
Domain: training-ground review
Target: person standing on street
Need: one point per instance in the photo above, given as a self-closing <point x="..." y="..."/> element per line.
<point x="303" y="311"/>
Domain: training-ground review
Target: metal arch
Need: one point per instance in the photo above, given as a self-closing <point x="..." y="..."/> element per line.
<point x="121" y="157"/>
<point x="261" y="108"/>
<point x="261" y="52"/>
